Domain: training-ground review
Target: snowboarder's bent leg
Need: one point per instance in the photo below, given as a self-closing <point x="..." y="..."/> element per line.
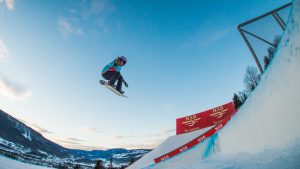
<point x="112" y="76"/>
<point x="119" y="83"/>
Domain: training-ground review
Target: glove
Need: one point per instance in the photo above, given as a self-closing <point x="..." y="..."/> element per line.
<point x="126" y="85"/>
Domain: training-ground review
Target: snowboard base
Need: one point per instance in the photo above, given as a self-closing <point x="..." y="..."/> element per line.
<point x="106" y="85"/>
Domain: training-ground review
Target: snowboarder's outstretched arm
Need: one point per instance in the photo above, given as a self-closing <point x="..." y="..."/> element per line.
<point x="125" y="83"/>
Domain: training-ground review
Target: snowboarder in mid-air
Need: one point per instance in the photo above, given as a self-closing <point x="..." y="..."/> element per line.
<point x="111" y="72"/>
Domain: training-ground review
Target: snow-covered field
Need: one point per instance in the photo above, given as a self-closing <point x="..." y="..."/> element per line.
<point x="265" y="132"/>
<point x="7" y="163"/>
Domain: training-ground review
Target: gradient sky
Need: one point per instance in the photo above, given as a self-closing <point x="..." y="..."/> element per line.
<point x="183" y="57"/>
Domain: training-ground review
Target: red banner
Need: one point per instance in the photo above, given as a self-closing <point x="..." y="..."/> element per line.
<point x="196" y="141"/>
<point x="204" y="119"/>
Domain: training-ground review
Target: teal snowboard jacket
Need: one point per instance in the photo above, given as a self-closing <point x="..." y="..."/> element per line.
<point x="111" y="67"/>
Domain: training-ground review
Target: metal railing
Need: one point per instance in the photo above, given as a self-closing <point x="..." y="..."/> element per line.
<point x="263" y="33"/>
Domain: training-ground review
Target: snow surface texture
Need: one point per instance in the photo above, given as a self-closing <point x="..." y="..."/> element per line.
<point x="7" y="163"/>
<point x="287" y="158"/>
<point x="270" y="116"/>
<point x="265" y="132"/>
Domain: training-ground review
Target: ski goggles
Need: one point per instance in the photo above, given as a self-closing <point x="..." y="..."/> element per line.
<point x="122" y="62"/>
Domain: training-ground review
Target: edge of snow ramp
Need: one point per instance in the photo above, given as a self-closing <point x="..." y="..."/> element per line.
<point x="182" y="143"/>
<point x="194" y="142"/>
<point x="172" y="143"/>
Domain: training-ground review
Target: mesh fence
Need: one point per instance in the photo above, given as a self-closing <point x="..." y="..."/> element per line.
<point x="263" y="33"/>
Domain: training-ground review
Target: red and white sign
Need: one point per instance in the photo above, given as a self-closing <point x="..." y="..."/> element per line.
<point x="196" y="141"/>
<point x="204" y="119"/>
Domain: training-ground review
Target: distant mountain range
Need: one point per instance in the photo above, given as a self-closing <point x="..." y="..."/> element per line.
<point x="21" y="142"/>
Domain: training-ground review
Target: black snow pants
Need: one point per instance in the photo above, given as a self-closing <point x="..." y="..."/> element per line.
<point x="114" y="76"/>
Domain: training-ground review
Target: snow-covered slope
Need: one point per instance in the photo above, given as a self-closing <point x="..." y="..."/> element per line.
<point x="265" y="132"/>
<point x="284" y="158"/>
<point x="6" y="163"/>
<point x="270" y="117"/>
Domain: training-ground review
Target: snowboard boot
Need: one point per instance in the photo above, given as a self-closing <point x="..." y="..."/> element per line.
<point x="121" y="91"/>
<point x="111" y="84"/>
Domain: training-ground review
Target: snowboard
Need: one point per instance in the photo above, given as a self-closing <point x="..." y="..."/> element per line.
<point x="111" y="88"/>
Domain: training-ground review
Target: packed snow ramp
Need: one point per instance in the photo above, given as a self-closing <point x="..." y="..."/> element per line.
<point x="269" y="119"/>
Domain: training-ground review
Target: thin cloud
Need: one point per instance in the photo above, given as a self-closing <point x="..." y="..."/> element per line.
<point x="8" y="88"/>
<point x="75" y="139"/>
<point x="66" y="28"/>
<point x="10" y="4"/>
<point x="35" y="127"/>
<point x="40" y="129"/>
<point x="93" y="13"/>
<point x="77" y="144"/>
<point x="95" y="8"/>
<point x="215" y="37"/>
<point x="98" y="6"/>
<point x="3" y="50"/>
<point x="168" y="131"/>
<point x="69" y="142"/>
<point x="90" y="130"/>
<point x="163" y="133"/>
<point x="99" y="10"/>
<point x="204" y="38"/>
<point x="116" y="136"/>
<point x="13" y="90"/>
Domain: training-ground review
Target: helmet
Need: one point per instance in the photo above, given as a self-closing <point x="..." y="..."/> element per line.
<point x="123" y="59"/>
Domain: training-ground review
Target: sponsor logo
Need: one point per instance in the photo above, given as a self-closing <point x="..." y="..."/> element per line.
<point x="165" y="158"/>
<point x="218" y="112"/>
<point x="201" y="138"/>
<point x="183" y="148"/>
<point x="191" y="120"/>
<point x="219" y="127"/>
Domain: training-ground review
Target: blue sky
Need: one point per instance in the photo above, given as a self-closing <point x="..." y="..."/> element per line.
<point x="183" y="57"/>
